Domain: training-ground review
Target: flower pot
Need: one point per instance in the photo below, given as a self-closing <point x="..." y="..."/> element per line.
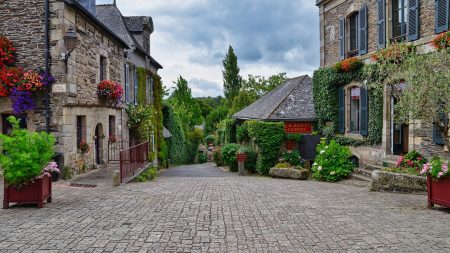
<point x="438" y="191"/>
<point x="290" y="144"/>
<point x="34" y="193"/>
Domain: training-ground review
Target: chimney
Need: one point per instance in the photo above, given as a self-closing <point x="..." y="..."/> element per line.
<point x="89" y="5"/>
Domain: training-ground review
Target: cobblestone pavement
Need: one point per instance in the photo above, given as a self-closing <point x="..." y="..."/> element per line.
<point x="224" y="213"/>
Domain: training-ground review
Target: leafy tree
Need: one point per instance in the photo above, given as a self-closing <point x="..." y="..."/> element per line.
<point x="182" y="93"/>
<point x="259" y="86"/>
<point x="216" y="115"/>
<point x="231" y="78"/>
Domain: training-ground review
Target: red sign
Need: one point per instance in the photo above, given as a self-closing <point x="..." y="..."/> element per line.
<point x="298" y="127"/>
<point x="241" y="157"/>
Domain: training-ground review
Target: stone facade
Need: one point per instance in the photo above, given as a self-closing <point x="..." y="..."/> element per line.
<point x="420" y="135"/>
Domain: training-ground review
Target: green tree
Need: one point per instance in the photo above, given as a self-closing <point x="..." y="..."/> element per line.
<point x="259" y="86"/>
<point x="231" y="78"/>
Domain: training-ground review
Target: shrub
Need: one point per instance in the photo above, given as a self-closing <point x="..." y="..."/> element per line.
<point x="294" y="137"/>
<point x="25" y="154"/>
<point x="412" y="161"/>
<point x="293" y="158"/>
<point x="250" y="163"/>
<point x="147" y="175"/>
<point x="436" y="169"/>
<point x="210" y="139"/>
<point x="332" y="162"/>
<point x="218" y="157"/>
<point x="269" y="136"/>
<point x="229" y="155"/>
<point x="202" y="158"/>
<point x="242" y="134"/>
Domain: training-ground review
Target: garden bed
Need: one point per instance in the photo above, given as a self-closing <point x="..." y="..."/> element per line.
<point x="397" y="182"/>
<point x="300" y="174"/>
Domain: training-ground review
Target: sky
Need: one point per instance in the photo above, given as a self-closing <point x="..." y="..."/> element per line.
<point x="191" y="38"/>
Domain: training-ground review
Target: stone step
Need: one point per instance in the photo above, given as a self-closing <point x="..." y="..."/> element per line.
<point x="373" y="167"/>
<point x="389" y="163"/>
<point x="360" y="177"/>
<point x="363" y="172"/>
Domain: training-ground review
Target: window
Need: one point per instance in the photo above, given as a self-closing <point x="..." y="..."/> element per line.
<point x="7" y="127"/>
<point x="442" y="15"/>
<point x="127" y="83"/>
<point x="353" y="35"/>
<point x="399" y="18"/>
<point x="81" y="129"/>
<point x="112" y="125"/>
<point x="102" y="68"/>
<point x="355" y="94"/>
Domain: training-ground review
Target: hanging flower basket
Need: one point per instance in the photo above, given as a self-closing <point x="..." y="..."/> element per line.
<point x="110" y="90"/>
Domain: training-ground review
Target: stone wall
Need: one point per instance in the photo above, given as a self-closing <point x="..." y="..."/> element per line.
<point x="333" y="10"/>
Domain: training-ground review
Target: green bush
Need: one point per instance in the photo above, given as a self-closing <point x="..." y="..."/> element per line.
<point x="294" y="137"/>
<point x="332" y="162"/>
<point x="229" y="156"/>
<point x="250" y="163"/>
<point x="25" y="153"/>
<point x="147" y="175"/>
<point x="210" y="139"/>
<point x="293" y="158"/>
<point x="242" y="134"/>
<point x="268" y="136"/>
<point x="176" y="143"/>
<point x="202" y="158"/>
<point x="218" y="157"/>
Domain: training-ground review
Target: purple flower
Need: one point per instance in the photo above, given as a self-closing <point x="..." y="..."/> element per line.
<point x="22" y="101"/>
<point x="47" y="79"/>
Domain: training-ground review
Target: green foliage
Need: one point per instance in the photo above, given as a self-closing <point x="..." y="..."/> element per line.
<point x="332" y="162"/>
<point x="250" y="163"/>
<point x="210" y="139"/>
<point x="218" y="157"/>
<point x="348" y="141"/>
<point x="142" y="83"/>
<point x="242" y="100"/>
<point x="242" y="134"/>
<point x="268" y="136"/>
<point x="140" y="121"/>
<point x="283" y="165"/>
<point x="257" y="86"/>
<point x="412" y="160"/>
<point x="147" y="175"/>
<point x="231" y="78"/>
<point x="157" y="120"/>
<point x="176" y="143"/>
<point x="193" y="140"/>
<point x="66" y="173"/>
<point x="202" y="158"/>
<point x="293" y="158"/>
<point x="294" y="137"/>
<point x="25" y="153"/>
<point x="229" y="155"/>
<point x="217" y="115"/>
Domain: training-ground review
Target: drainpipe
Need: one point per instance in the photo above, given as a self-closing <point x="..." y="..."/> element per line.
<point x="47" y="65"/>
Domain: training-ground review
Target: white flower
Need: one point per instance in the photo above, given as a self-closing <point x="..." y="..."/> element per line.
<point x="326" y="147"/>
<point x="322" y="151"/>
<point x="314" y="164"/>
<point x="320" y="168"/>
<point x="332" y="173"/>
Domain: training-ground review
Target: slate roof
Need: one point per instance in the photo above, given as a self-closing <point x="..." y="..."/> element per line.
<point x="291" y="101"/>
<point x="111" y="16"/>
<point x="166" y="133"/>
<point x="136" y="23"/>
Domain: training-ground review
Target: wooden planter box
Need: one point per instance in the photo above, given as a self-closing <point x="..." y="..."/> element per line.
<point x="438" y="192"/>
<point x="33" y="193"/>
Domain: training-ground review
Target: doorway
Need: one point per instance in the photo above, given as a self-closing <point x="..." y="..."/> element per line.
<point x="99" y="137"/>
<point x="399" y="133"/>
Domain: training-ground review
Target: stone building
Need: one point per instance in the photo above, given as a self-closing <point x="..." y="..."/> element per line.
<point x="358" y="28"/>
<point x="75" y="112"/>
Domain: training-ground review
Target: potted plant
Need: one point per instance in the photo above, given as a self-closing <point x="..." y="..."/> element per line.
<point x="84" y="147"/>
<point x="292" y="140"/>
<point x="110" y="90"/>
<point x="112" y="138"/>
<point x="438" y="182"/>
<point x="27" y="166"/>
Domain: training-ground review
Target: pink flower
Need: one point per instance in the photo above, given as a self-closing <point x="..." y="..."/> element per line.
<point x="419" y="158"/>
<point x="440" y="174"/>
<point x="399" y="161"/>
<point x="425" y="169"/>
<point x="445" y="168"/>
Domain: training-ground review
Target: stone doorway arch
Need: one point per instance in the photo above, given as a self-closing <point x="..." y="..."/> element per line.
<point x="99" y="137"/>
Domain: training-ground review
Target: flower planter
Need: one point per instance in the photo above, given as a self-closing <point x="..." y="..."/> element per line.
<point x="438" y="191"/>
<point x="34" y="193"/>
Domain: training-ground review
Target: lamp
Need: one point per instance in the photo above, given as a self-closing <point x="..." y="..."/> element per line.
<point x="70" y="43"/>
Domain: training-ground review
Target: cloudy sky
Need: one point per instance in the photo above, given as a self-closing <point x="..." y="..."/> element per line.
<point x="192" y="36"/>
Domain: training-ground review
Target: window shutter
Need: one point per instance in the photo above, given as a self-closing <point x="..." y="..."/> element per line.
<point x="441" y="17"/>
<point x="437" y="137"/>
<point x="127" y="83"/>
<point x="413" y="20"/>
<point x="341" y="38"/>
<point x="381" y="23"/>
<point x="364" y="113"/>
<point x="363" y="30"/>
<point x="135" y="87"/>
<point x="341" y="110"/>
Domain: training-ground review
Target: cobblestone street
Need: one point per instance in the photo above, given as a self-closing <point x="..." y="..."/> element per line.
<point x="200" y="208"/>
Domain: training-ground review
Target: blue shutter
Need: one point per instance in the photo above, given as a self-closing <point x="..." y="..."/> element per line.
<point x="441" y="16"/>
<point x="381" y="23"/>
<point x="437" y="137"/>
<point x="341" y="38"/>
<point x="341" y="127"/>
<point x="364" y="112"/>
<point x="362" y="27"/>
<point x="135" y="87"/>
<point x="413" y="20"/>
<point x="127" y="83"/>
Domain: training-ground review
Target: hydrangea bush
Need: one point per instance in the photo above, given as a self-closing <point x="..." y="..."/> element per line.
<point x="332" y="162"/>
<point x="436" y="169"/>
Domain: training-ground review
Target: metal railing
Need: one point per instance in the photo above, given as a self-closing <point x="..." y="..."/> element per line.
<point x="133" y="160"/>
<point x="114" y="148"/>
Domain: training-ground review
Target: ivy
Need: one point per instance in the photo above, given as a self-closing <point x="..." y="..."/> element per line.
<point x="158" y="94"/>
<point x="142" y="83"/>
<point x="176" y="143"/>
<point x="269" y="137"/>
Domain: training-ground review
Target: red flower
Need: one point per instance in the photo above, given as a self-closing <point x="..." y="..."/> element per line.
<point x="110" y="90"/>
<point x="7" y="52"/>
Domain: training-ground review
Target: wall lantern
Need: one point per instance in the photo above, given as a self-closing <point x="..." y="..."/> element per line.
<point x="70" y="43"/>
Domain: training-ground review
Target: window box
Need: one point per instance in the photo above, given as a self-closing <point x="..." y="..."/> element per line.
<point x="35" y="193"/>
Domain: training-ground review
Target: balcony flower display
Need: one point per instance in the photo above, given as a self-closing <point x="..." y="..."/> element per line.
<point x="348" y="65"/>
<point x="110" y="90"/>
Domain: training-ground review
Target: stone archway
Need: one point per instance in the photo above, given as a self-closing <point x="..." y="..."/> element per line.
<point x="99" y="137"/>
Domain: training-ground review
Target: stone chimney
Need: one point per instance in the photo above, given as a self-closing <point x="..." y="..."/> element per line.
<point x="89" y="5"/>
